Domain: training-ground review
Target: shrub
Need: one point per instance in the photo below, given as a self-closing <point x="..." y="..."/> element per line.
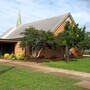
<point x="87" y="53"/>
<point x="12" y="56"/>
<point x="1" y="56"/>
<point x="20" y="56"/>
<point x="6" y="55"/>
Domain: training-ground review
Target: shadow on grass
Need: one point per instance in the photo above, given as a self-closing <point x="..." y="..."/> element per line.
<point x="6" y="70"/>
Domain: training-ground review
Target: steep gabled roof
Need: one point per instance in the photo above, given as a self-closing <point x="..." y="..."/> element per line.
<point x="46" y="24"/>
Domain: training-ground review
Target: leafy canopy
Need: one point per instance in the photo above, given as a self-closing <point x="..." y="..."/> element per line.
<point x="37" y="38"/>
<point x="72" y="35"/>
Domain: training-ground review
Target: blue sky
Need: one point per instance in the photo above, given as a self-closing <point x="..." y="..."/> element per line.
<point x="32" y="10"/>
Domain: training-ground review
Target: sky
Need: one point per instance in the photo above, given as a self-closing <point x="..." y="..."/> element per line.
<point x="33" y="10"/>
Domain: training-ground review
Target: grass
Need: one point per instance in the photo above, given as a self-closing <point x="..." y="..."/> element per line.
<point x="12" y="78"/>
<point x="82" y="65"/>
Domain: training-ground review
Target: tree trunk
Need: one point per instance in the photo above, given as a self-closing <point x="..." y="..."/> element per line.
<point x="67" y="54"/>
<point x="36" y="53"/>
<point x="27" y="51"/>
<point x="39" y="52"/>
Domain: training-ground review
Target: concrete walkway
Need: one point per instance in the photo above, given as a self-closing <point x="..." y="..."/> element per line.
<point x="87" y="55"/>
<point x="45" y="69"/>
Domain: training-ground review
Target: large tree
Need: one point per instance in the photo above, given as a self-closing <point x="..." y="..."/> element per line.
<point x="36" y="39"/>
<point x="71" y="36"/>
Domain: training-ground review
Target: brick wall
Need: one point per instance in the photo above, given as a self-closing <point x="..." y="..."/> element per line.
<point x="18" y="49"/>
<point x="52" y="53"/>
<point x="61" y="27"/>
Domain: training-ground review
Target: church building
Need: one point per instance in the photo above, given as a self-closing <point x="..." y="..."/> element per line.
<point x="10" y="40"/>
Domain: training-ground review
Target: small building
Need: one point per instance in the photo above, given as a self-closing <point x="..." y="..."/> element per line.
<point x="10" y="40"/>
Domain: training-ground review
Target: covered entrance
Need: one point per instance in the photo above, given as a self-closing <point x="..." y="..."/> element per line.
<point x="7" y="47"/>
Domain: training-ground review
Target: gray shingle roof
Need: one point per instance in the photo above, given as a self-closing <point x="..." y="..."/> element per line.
<point x="46" y="24"/>
<point x="6" y="32"/>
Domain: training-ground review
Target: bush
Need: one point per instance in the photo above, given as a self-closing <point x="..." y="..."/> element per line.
<point x="20" y="56"/>
<point x="1" y="56"/>
<point x="87" y="53"/>
<point x="6" y="55"/>
<point x="12" y="56"/>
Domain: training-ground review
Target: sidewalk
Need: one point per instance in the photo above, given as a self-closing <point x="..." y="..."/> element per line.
<point x="45" y="69"/>
<point x="86" y="55"/>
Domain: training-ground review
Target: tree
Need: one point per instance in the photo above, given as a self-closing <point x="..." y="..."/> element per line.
<point x="36" y="39"/>
<point x="85" y="44"/>
<point x="71" y="37"/>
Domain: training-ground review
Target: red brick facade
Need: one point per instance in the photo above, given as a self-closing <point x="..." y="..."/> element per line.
<point x="18" y="49"/>
<point x="52" y="53"/>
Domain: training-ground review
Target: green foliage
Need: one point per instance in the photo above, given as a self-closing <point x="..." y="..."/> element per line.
<point x="87" y="53"/>
<point x="30" y="37"/>
<point x="6" y="55"/>
<point x="85" y="44"/>
<point x="20" y="56"/>
<point x="12" y="56"/>
<point x="72" y="35"/>
<point x="36" y="39"/>
<point x="1" y="56"/>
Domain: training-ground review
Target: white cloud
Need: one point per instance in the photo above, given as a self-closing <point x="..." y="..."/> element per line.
<point x="32" y="10"/>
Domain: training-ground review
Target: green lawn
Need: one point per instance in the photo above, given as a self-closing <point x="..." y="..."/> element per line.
<point x="78" y="65"/>
<point x="12" y="78"/>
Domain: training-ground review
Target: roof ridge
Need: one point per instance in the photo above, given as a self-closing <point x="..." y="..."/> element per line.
<point x="46" y="18"/>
